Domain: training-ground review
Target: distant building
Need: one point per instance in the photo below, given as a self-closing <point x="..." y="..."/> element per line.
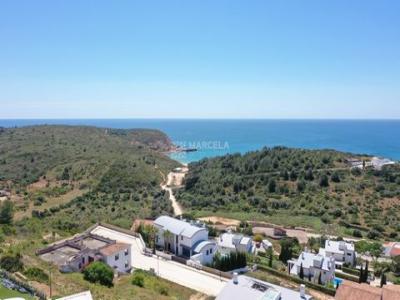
<point x="378" y="163"/>
<point x="351" y="291"/>
<point x="246" y="288"/>
<point x="391" y="249"/>
<point x="185" y="239"/>
<point x="266" y="244"/>
<point x="73" y="255"/>
<point x="230" y="242"/>
<point x="315" y="267"/>
<point x="342" y="251"/>
<point x="279" y="232"/>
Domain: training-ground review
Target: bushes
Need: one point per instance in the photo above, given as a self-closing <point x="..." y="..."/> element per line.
<point x="36" y="274"/>
<point x="138" y="279"/>
<point x="232" y="261"/>
<point x="99" y="272"/>
<point x="11" y="262"/>
<point x="149" y="281"/>
<point x="6" y="212"/>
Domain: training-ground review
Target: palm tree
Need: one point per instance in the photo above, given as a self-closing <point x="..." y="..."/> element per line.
<point x="153" y="232"/>
<point x="167" y="239"/>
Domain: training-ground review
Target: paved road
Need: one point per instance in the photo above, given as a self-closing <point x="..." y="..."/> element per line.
<point x="183" y="275"/>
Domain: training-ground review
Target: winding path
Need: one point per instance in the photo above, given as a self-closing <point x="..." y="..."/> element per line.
<point x="174" y="179"/>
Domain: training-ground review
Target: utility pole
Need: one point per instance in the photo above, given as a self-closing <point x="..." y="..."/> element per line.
<point x="51" y="291"/>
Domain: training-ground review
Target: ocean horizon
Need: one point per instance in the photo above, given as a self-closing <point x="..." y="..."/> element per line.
<point x="215" y="137"/>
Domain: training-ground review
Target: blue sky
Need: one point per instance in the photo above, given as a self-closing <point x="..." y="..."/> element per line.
<point x="200" y="59"/>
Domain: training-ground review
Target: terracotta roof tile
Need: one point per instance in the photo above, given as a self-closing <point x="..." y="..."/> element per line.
<point x="113" y="249"/>
<point x="391" y="292"/>
<point x="352" y="291"/>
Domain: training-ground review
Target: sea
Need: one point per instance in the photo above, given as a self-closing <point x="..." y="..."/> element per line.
<point x="218" y="137"/>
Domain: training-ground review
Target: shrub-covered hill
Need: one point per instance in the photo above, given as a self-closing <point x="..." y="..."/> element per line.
<point x="293" y="182"/>
<point x="75" y="175"/>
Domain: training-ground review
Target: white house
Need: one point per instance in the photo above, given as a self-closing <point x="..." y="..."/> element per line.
<point x="178" y="236"/>
<point x="378" y="163"/>
<point x="230" y="242"/>
<point x="342" y="251"/>
<point x="314" y="266"/>
<point x="246" y="288"/>
<point x="204" y="252"/>
<point x="117" y="256"/>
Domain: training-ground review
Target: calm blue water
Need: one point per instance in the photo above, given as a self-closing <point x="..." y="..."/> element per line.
<point x="218" y="137"/>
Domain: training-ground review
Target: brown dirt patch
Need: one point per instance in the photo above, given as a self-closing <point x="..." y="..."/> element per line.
<point x="220" y="220"/>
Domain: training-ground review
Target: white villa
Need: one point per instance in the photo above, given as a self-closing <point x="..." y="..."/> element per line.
<point x="314" y="266"/>
<point x="118" y="256"/>
<point x="230" y="242"/>
<point x="186" y="239"/>
<point x="342" y="251"/>
<point x="243" y="288"/>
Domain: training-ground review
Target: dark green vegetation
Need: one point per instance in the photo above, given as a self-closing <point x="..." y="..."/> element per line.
<point x="99" y="272"/>
<point x="75" y="176"/>
<point x="229" y="262"/>
<point x="283" y="185"/>
<point x="64" y="179"/>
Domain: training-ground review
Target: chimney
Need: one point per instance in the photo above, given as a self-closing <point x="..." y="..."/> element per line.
<point x="235" y="278"/>
<point x="302" y="291"/>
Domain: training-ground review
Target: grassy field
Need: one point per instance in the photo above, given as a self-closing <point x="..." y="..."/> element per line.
<point x="6" y="293"/>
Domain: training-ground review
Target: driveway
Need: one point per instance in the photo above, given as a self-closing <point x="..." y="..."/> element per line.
<point x="183" y="275"/>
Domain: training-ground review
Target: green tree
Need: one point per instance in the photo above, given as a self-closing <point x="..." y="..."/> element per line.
<point x="6" y="212"/>
<point x="301" y="273"/>
<point x="167" y="235"/>
<point x="270" y="254"/>
<point x="11" y="262"/>
<point x="287" y="245"/>
<point x="383" y="279"/>
<point x="272" y="186"/>
<point x="324" y="181"/>
<point x="99" y="272"/>
<point x="138" y="278"/>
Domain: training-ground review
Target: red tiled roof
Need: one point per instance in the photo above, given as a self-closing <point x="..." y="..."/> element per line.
<point x="391" y="292"/>
<point x="351" y="291"/>
<point x="113" y="249"/>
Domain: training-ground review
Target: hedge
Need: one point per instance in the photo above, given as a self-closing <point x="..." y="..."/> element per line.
<point x="351" y="271"/>
<point x="347" y="277"/>
<point x="298" y="280"/>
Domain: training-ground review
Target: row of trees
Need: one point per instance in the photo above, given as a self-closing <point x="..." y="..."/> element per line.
<point x="229" y="262"/>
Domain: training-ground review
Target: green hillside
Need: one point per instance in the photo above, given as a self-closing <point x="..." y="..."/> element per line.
<point x="285" y="185"/>
<point x="74" y="175"/>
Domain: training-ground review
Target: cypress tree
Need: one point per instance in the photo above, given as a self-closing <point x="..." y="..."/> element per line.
<point x="360" y="279"/>
<point x="366" y="272"/>
<point x="383" y="279"/>
<point x="301" y="274"/>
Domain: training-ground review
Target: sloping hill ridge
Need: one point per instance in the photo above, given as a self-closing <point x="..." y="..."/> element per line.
<point x="77" y="175"/>
<point x="296" y="187"/>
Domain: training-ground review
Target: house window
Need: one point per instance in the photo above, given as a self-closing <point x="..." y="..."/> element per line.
<point x="117" y="257"/>
<point x="210" y="251"/>
<point x="83" y="260"/>
<point x="348" y="254"/>
<point x="126" y="265"/>
<point x="126" y="252"/>
<point x="207" y="252"/>
<point x="181" y="237"/>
